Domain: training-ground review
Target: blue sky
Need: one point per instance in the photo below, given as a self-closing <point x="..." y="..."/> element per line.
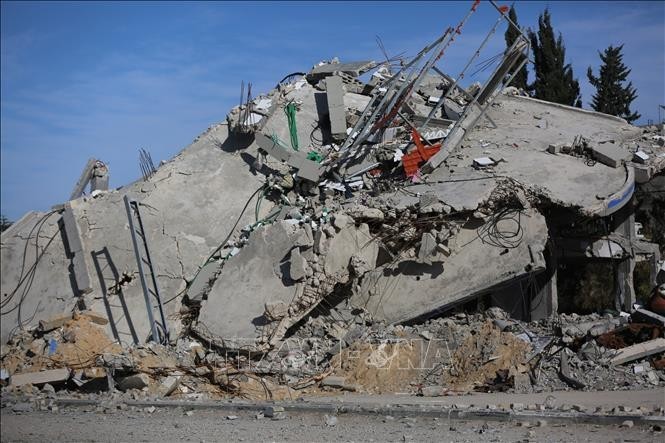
<point x="102" y="80"/>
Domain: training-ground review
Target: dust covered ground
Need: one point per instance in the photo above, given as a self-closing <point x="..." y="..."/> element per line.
<point x="78" y="424"/>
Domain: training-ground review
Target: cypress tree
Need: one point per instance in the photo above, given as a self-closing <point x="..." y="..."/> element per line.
<point x="519" y="81"/>
<point x="554" y="80"/>
<point x="612" y="97"/>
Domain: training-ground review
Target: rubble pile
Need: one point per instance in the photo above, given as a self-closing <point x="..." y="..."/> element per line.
<point x="361" y="227"/>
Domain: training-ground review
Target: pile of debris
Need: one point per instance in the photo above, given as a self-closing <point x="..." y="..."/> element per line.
<point x="388" y="201"/>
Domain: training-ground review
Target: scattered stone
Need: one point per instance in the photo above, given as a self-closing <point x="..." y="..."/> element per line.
<point x="331" y="420"/>
<point x="150" y="409"/>
<point x="136" y="381"/>
<point x="272" y="411"/>
<point x="627" y="424"/>
<point x="231" y="417"/>
<point x="334" y="381"/>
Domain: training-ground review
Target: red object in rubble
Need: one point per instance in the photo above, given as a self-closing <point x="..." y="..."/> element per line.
<point x="657" y="302"/>
<point x="413" y="160"/>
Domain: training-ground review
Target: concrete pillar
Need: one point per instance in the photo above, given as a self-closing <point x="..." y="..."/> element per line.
<point x="76" y="249"/>
<point x="336" y="110"/>
<point x="624" y="290"/>
<point x="100" y="178"/>
<point x="545" y="302"/>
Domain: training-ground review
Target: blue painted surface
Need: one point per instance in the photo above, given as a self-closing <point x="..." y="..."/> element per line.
<point x="623" y="198"/>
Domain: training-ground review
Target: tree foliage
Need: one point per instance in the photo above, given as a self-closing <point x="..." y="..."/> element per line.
<point x="4" y="223"/>
<point x="611" y="96"/>
<point x="554" y="80"/>
<point x="520" y="79"/>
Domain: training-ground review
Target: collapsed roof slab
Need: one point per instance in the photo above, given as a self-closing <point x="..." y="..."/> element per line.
<point x="33" y="253"/>
<point x="233" y="315"/>
<point x="525" y="128"/>
<point x="353" y="69"/>
<point x="190" y="205"/>
<point x="462" y="192"/>
<point x="406" y="290"/>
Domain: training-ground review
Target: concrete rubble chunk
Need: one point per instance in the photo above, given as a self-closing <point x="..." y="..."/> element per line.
<point x="199" y="288"/>
<point x="136" y="381"/>
<point x="54" y="322"/>
<point x="168" y="385"/>
<point x="610" y="154"/>
<point x="354" y="69"/>
<point x="427" y="247"/>
<point x="334" y="382"/>
<point x="276" y="310"/>
<point x="336" y="109"/>
<point x="39" y="378"/>
<point x="298" y="266"/>
<point x="350" y="241"/>
<point x="639" y="350"/>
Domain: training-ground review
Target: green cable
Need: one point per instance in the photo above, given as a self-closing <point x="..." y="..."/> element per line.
<point x="290" y="111"/>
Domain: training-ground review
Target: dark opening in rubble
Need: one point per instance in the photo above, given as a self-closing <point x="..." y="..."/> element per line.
<point x="585" y="288"/>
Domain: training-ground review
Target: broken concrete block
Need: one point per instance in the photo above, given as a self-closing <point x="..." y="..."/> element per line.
<point x="354" y="69"/>
<point x="168" y="385"/>
<point x="522" y="383"/>
<point x="94" y="372"/>
<point x="643" y="173"/>
<point x="431" y="391"/>
<point x="554" y="148"/>
<point x="73" y="232"/>
<point x="427" y="247"/>
<point x="203" y="281"/>
<point x="298" y="266"/>
<point x="305" y="238"/>
<point x="341" y="221"/>
<point x="276" y="310"/>
<point x="336" y="109"/>
<point x="54" y="323"/>
<point x="136" y="381"/>
<point x="639" y="350"/>
<point x="39" y="378"/>
<point x="483" y="162"/>
<point x="272" y="148"/>
<point x="320" y="242"/>
<point x="609" y="154"/>
<point x="641" y="315"/>
<point x="273" y="411"/>
<point x="333" y="381"/>
<point x="309" y="170"/>
<point x="96" y="317"/>
<point x="640" y="157"/>
<point x="348" y="242"/>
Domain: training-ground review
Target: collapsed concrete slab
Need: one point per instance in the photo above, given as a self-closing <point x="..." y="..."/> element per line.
<point x="182" y="190"/>
<point x="233" y="315"/>
<point x="405" y="289"/>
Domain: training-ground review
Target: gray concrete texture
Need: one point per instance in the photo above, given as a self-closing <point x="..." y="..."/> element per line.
<point x="185" y="219"/>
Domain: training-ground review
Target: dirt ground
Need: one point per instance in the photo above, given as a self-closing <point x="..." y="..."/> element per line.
<point x="76" y="424"/>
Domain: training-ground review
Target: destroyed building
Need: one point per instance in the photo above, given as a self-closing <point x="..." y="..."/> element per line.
<point x="390" y="192"/>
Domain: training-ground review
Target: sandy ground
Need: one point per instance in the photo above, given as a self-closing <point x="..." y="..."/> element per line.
<point x="77" y="424"/>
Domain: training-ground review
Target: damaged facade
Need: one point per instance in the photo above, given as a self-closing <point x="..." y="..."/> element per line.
<point x="384" y="196"/>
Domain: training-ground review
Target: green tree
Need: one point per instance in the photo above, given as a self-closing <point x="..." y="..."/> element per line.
<point x="612" y="97"/>
<point x="520" y="79"/>
<point x="4" y="223"/>
<point x="554" y="80"/>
